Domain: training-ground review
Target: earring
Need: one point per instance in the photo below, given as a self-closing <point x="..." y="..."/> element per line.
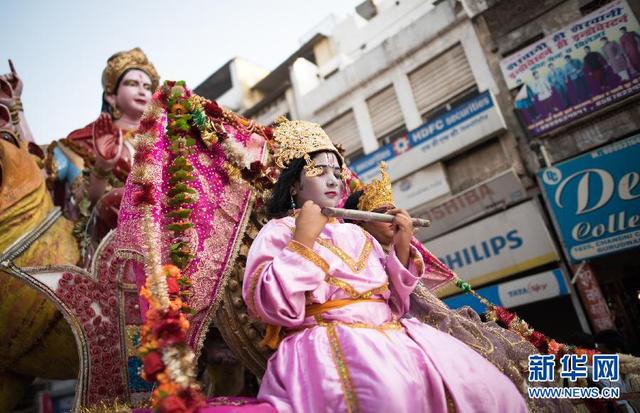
<point x="116" y="112"/>
<point x="293" y="203"/>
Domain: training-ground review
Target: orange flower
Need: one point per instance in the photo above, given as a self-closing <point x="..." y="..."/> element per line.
<point x="170" y="270"/>
<point x="176" y="304"/>
<point x="554" y="347"/>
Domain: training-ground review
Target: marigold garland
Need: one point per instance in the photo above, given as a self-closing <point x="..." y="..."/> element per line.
<point x="167" y="358"/>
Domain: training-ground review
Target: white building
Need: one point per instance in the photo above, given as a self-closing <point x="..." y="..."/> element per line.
<point x="408" y="82"/>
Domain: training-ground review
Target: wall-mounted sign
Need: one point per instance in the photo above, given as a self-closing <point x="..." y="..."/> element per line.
<point x="496" y="193"/>
<point x="595" y="199"/>
<point x="525" y="290"/>
<point x="587" y="66"/>
<point x="471" y="121"/>
<point x="593" y="300"/>
<point x="506" y="243"/>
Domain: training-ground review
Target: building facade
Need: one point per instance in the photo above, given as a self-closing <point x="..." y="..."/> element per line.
<point x="569" y="74"/>
<point x="421" y="85"/>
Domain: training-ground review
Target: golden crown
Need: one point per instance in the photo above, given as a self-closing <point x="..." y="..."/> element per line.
<point x="378" y="193"/>
<point x="297" y="139"/>
<point x="123" y="61"/>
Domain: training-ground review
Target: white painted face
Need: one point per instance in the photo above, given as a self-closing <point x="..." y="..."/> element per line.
<point x="325" y="189"/>
<point x="133" y="94"/>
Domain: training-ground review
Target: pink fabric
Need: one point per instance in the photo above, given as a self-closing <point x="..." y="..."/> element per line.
<point x="436" y="274"/>
<point x="400" y="370"/>
<point x="220" y="213"/>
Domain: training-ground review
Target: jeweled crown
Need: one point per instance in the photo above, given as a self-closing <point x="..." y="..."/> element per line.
<point x="377" y="193"/>
<point x="123" y="61"/>
<point x="297" y="139"/>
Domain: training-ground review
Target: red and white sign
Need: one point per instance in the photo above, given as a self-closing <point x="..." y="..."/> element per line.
<point x="593" y="300"/>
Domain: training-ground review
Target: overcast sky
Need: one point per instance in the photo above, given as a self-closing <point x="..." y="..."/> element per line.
<point x="60" y="47"/>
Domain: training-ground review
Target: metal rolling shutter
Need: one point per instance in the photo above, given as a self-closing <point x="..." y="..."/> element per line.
<point x="343" y="130"/>
<point x="441" y="79"/>
<point x="385" y="112"/>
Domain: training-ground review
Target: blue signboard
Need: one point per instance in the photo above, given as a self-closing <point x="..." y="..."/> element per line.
<point x="514" y="293"/>
<point x="595" y="200"/>
<point x="464" y="112"/>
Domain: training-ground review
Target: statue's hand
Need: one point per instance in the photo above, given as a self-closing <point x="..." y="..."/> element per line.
<point x="107" y="142"/>
<point x="14" y="80"/>
<point x="6" y="93"/>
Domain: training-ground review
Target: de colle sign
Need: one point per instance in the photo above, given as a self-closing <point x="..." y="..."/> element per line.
<point x="595" y="200"/>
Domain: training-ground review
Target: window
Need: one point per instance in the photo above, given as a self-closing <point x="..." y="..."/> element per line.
<point x="343" y="130"/>
<point x="435" y="82"/>
<point x="385" y="113"/>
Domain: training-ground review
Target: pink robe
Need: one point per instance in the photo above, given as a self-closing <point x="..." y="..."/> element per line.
<point x="361" y="357"/>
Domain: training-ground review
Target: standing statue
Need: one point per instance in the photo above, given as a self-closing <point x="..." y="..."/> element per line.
<point x="88" y="168"/>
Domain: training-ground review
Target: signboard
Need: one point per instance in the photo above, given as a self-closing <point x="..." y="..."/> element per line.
<point x="496" y="193"/>
<point x="580" y="69"/>
<point x="503" y="244"/>
<point x="538" y="287"/>
<point x="420" y="187"/>
<point x="595" y="200"/>
<point x="593" y="300"/>
<point x="469" y="122"/>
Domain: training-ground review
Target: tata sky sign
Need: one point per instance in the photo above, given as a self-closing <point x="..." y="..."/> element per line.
<point x="595" y="199"/>
<point x="468" y="122"/>
<point x="538" y="287"/>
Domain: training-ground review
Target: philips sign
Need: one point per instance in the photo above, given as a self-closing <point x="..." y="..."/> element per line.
<point x="503" y="244"/>
<point x="595" y="199"/>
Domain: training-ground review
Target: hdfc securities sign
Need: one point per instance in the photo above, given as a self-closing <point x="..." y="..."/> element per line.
<point x="471" y="121"/>
<point x="595" y="199"/>
<point x="578" y="70"/>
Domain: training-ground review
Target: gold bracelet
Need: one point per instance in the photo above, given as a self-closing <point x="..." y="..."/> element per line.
<point x="17" y="105"/>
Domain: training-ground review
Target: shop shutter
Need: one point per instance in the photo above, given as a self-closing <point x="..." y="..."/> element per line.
<point x="385" y="112"/>
<point x="441" y="79"/>
<point x="343" y="130"/>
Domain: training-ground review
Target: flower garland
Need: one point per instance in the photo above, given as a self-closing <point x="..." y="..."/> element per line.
<point x="512" y="322"/>
<point x="167" y="358"/>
